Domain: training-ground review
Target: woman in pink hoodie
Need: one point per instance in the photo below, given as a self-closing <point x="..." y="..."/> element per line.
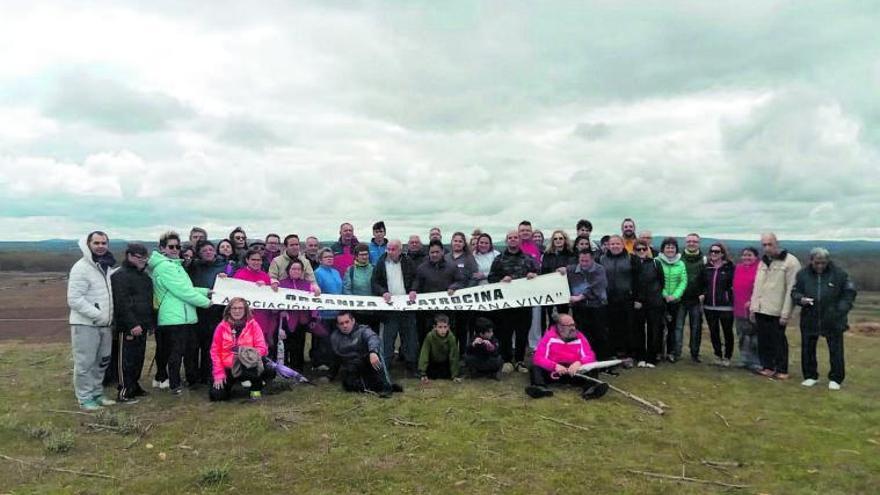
<point x="743" y="284"/>
<point x="237" y="330"/>
<point x="268" y="319"/>
<point x="560" y="354"/>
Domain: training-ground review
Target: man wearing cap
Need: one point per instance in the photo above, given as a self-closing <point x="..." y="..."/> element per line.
<point x="134" y="319"/>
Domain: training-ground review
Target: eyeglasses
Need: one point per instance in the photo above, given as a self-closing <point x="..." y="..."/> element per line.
<point x="641" y="249"/>
<point x="715" y="251"/>
<point x="559" y="238"/>
<point x="172" y="246"/>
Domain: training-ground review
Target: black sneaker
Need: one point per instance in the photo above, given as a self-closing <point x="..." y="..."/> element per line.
<point x="594" y="391"/>
<point x="140" y="393"/>
<point x="385" y="394"/>
<point x="538" y="392"/>
<point x="696" y="359"/>
<point x="126" y="399"/>
<point x="396" y="388"/>
<point x="611" y="371"/>
<point x="177" y="391"/>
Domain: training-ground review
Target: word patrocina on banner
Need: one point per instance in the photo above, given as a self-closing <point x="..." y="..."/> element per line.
<point x="544" y="290"/>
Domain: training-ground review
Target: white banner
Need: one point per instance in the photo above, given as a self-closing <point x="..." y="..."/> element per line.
<point x="546" y="290"/>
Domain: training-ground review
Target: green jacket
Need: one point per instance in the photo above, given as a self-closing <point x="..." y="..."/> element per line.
<point x="439" y="349"/>
<point x="674" y="276"/>
<point x="173" y="293"/>
<point x="358" y="280"/>
<point x="694" y="264"/>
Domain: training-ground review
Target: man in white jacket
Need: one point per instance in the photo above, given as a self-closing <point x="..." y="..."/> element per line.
<point x="90" y="298"/>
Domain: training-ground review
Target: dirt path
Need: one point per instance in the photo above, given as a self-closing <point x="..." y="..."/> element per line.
<point x="33" y="307"/>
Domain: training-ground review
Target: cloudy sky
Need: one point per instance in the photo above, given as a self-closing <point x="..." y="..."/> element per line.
<point x="728" y="118"/>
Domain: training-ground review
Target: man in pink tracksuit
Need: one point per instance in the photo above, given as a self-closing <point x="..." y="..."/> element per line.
<point x="563" y="350"/>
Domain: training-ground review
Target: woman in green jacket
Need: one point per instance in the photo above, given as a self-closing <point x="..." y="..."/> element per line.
<point x="675" y="282"/>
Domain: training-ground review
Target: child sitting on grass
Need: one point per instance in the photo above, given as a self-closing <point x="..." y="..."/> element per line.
<point x="482" y="355"/>
<point x="439" y="358"/>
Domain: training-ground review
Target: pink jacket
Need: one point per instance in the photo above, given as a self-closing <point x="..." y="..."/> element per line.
<point x="743" y="284"/>
<point x="531" y="249"/>
<point x="267" y="319"/>
<point x="552" y="350"/>
<point x="224" y="345"/>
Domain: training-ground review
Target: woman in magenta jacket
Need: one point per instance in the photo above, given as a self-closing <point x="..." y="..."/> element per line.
<point x="743" y="283"/>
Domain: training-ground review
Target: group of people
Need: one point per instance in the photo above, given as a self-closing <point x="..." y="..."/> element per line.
<point x="629" y="302"/>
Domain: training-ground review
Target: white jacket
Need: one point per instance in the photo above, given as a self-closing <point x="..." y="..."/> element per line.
<point x="773" y="284"/>
<point x="89" y="293"/>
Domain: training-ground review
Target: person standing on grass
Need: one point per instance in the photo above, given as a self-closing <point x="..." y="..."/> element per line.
<point x="825" y="294"/>
<point x="435" y="275"/>
<point x="378" y="243"/>
<point x="513" y="264"/>
<point x="394" y="275"/>
<point x="203" y="272"/>
<point x="717" y="300"/>
<point x="621" y="272"/>
<point x="297" y="322"/>
<point x="330" y="282"/>
<point x="589" y="300"/>
<point x="359" y="361"/>
<point x="237" y="352"/>
<point x="177" y="300"/>
<point x="358" y="281"/>
<point x="690" y="307"/>
<point x="674" y="285"/>
<point x="743" y="284"/>
<point x="460" y="258"/>
<point x="90" y="298"/>
<point x="562" y="352"/>
<point x="484" y="255"/>
<point x="557" y="255"/>
<point x="278" y="266"/>
<point x="649" y="306"/>
<point x="253" y="272"/>
<point x="771" y="305"/>
<point x="134" y="319"/>
<point x="343" y="249"/>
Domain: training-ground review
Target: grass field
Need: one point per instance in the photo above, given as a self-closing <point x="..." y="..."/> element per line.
<point x="478" y="436"/>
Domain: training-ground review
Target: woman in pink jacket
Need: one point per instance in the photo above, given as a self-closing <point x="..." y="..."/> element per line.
<point x="237" y="331"/>
<point x="562" y="351"/>
<point x="743" y="284"/>
<point x="268" y="319"/>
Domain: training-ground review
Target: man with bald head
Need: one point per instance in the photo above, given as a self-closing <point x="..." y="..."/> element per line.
<point x="771" y="305"/>
<point x="647" y="237"/>
<point x="561" y="353"/>
<point x="513" y="263"/>
<point x="394" y="275"/>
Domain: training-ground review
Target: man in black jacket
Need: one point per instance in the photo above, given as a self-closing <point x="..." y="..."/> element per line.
<point x="435" y="275"/>
<point x="621" y="271"/>
<point x="359" y="363"/>
<point x="134" y="316"/>
<point x="394" y="275"/>
<point x="513" y="263"/>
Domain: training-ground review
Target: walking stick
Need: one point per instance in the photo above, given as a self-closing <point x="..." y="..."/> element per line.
<point x="654" y="408"/>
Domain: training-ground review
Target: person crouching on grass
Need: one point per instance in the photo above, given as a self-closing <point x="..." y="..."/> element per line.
<point x="439" y="358"/>
<point x="482" y="356"/>
<point x="237" y="353"/>
<point x="560" y="354"/>
<point x="359" y="360"/>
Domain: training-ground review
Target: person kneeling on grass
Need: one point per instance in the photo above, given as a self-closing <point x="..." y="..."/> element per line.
<point x="482" y="355"/>
<point x="359" y="358"/>
<point x="563" y="350"/>
<point x="237" y="353"/>
<point x="439" y="358"/>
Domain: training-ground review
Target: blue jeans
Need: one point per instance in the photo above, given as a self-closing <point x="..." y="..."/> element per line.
<point x="694" y="313"/>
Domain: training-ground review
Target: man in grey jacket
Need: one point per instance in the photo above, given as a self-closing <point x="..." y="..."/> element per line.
<point x="90" y="298"/>
<point x="359" y="358"/>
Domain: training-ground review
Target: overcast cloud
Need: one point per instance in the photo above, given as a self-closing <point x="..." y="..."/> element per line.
<point x="729" y="118"/>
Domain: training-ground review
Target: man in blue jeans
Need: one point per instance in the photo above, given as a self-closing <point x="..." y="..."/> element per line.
<point x="691" y="307"/>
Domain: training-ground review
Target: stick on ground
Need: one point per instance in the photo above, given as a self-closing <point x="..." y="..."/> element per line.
<point x="628" y="395"/>
<point x="722" y="419"/>
<point x="563" y="423"/>
<point x="685" y="478"/>
<point x="59" y="470"/>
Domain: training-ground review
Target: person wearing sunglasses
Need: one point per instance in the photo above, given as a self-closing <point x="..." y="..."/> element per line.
<point x="239" y="241"/>
<point x="558" y="254"/>
<point x="771" y="305"/>
<point x="134" y="320"/>
<point x="717" y="299"/>
<point x="649" y="306"/>
<point x="177" y="300"/>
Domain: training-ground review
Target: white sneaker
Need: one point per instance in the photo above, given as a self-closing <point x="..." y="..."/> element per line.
<point x="161" y="385"/>
<point x="650" y="365"/>
<point x="104" y="401"/>
<point x="725" y="363"/>
<point x="832" y="385"/>
<point x="246" y="384"/>
<point x="641" y="364"/>
<point x="809" y="382"/>
<point x="507" y="368"/>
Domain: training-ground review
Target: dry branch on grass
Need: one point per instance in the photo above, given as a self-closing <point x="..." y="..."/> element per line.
<point x="685" y="479"/>
<point x="653" y="407"/>
<point x="62" y="411"/>
<point x="58" y="470"/>
<point x="564" y="423"/>
<point x="402" y="422"/>
<point x="726" y="423"/>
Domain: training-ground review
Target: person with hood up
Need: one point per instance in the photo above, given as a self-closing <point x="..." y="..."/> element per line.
<point x="561" y="353"/>
<point x="674" y="284"/>
<point x="825" y="294"/>
<point x="90" y="298"/>
<point x="176" y="299"/>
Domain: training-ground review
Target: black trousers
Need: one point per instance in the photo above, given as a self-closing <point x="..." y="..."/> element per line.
<point x="483" y="365"/>
<point x="461" y="328"/>
<point x="321" y="353"/>
<point x="513" y="325"/>
<point x="163" y="348"/>
<point x="209" y="318"/>
<point x="718" y="321"/>
<point x="670" y="315"/>
<point x="648" y="333"/>
<point x="438" y="370"/>
<point x="184" y="348"/>
<point x="130" y="351"/>
<point x="358" y="375"/>
<point x="258" y="381"/>
<point x="835" y="351"/>
<point x="540" y="377"/>
<point x="592" y="322"/>
<point x="772" y="343"/>
<point x="295" y="346"/>
<point x="620" y="329"/>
